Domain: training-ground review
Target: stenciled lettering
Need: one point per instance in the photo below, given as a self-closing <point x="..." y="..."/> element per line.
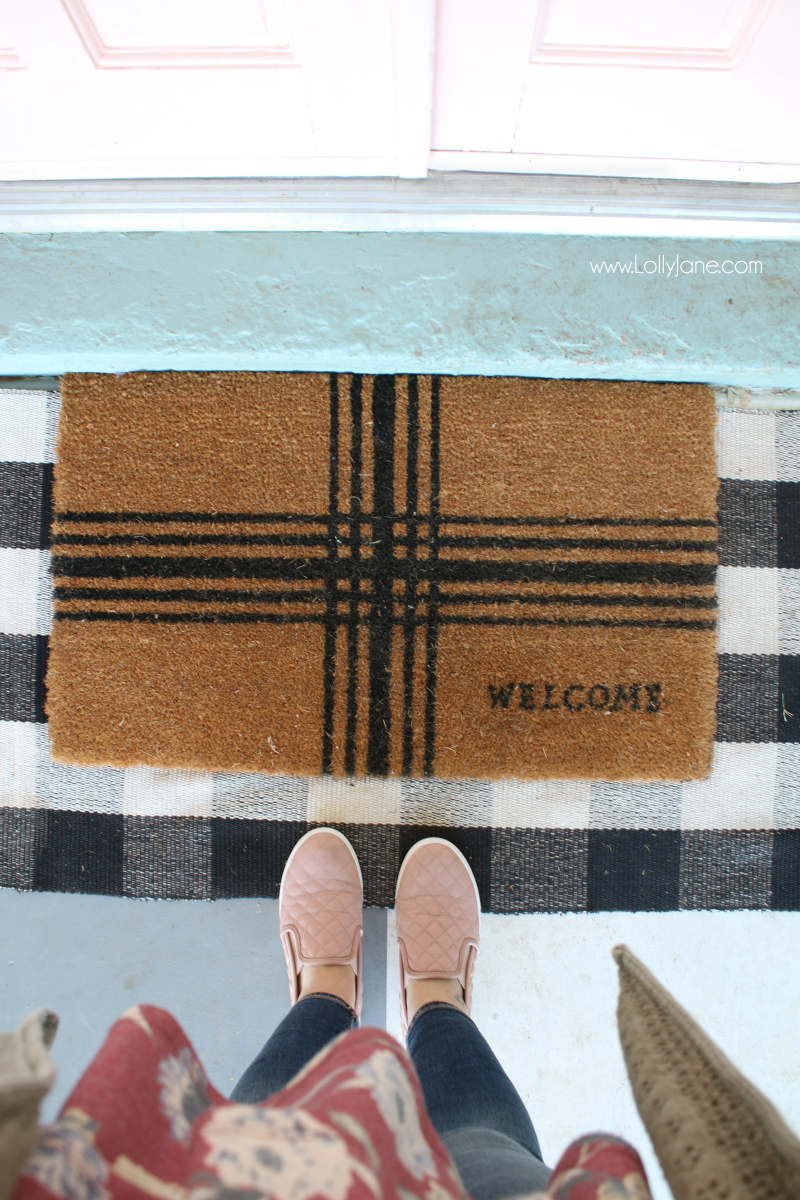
<point x="606" y="700"/>
<point x="568" y="694"/>
<point x="501" y="695"/>
<point x="626" y="695"/>
<point x="578" y="697"/>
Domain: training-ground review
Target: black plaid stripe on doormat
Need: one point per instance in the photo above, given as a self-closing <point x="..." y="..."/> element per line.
<point x="732" y="842"/>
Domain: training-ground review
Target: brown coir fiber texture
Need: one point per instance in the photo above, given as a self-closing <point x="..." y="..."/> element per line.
<point x="388" y="575"/>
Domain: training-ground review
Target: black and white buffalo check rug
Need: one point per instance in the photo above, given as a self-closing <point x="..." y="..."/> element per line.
<point x="731" y="841"/>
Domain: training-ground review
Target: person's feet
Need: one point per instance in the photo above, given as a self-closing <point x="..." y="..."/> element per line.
<point x="438" y="927"/>
<point x="321" y="902"/>
<point x="425" y="991"/>
<point x="333" y="979"/>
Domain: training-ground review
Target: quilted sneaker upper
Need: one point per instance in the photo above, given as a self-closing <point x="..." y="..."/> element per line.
<point x="438" y="918"/>
<point x="321" y="898"/>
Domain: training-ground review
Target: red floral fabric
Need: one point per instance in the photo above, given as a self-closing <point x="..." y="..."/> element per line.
<point x="145" y="1123"/>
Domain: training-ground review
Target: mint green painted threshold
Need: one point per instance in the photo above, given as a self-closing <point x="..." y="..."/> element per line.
<point x="481" y="303"/>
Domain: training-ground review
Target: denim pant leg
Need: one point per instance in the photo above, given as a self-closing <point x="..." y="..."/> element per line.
<point x="303" y="1032"/>
<point x="474" y="1106"/>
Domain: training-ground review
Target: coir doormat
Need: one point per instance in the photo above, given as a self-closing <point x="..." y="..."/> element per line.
<point x="388" y="575"/>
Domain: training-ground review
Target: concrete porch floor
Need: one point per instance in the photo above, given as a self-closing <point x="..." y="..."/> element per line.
<point x="545" y="992"/>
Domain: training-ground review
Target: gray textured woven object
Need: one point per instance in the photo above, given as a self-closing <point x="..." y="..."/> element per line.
<point x="716" y="1136"/>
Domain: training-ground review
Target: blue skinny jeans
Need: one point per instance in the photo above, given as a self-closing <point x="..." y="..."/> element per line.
<point x="472" y="1104"/>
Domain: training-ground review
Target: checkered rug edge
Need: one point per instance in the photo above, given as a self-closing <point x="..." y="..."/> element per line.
<point x="729" y="842"/>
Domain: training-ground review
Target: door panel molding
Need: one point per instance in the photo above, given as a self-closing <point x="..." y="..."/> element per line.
<point x="678" y="50"/>
<point x="275" y="52"/>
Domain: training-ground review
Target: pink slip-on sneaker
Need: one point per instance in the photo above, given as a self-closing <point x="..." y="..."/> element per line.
<point x="438" y="912"/>
<point x="320" y="906"/>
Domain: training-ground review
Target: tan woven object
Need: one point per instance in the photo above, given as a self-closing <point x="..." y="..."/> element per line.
<point x="716" y="1136"/>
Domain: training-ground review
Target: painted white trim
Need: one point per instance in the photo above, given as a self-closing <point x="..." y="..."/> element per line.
<point x="517" y="163"/>
<point x="445" y="203"/>
<point x="189" y="171"/>
<point x="414" y="44"/>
